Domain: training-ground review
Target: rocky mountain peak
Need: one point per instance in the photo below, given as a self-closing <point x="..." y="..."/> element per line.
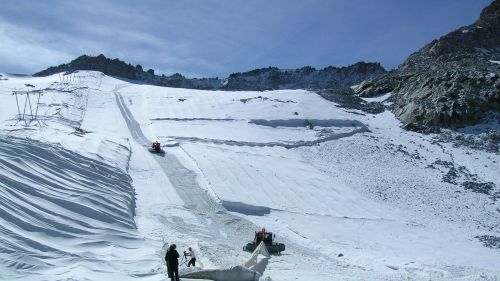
<point x="479" y="38"/>
<point x="451" y="82"/>
<point x="491" y="14"/>
<point x="113" y="67"/>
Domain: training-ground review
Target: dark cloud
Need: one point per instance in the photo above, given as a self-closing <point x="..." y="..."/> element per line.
<point x="214" y="38"/>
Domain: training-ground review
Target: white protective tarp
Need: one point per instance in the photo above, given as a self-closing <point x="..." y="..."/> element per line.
<point x="235" y="273"/>
<point x="243" y="272"/>
<point x="260" y="250"/>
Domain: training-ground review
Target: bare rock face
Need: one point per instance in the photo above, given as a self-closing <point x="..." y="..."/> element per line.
<point x="108" y="66"/>
<point x="272" y="78"/>
<point x="121" y="69"/>
<point x="451" y="82"/>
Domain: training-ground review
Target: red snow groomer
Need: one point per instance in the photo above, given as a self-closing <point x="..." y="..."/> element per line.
<point x="156" y="147"/>
<point x="267" y="238"/>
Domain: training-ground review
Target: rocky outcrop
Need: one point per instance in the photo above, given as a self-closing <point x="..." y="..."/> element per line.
<point x="258" y="80"/>
<point x="273" y="78"/>
<point x="451" y="82"/>
<point x="113" y="67"/>
<point x="120" y="69"/>
<point x="177" y="80"/>
<point x="346" y="98"/>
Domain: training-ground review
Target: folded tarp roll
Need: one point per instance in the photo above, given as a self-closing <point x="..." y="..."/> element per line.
<point x="239" y="273"/>
<point x="235" y="273"/>
<point x="260" y="250"/>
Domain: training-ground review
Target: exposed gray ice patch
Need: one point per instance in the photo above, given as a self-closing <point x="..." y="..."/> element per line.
<point x="306" y="122"/>
<point x="191" y="119"/>
<point x="246" y="209"/>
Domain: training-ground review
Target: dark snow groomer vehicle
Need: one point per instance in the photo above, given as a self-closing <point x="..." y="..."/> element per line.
<point x="156" y="147"/>
<point x="267" y="238"/>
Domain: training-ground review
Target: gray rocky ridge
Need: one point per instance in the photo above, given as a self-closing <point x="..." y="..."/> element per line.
<point x="453" y="81"/>
<point x="270" y="78"/>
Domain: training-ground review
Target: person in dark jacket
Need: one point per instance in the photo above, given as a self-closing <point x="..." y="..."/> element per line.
<point x="172" y="260"/>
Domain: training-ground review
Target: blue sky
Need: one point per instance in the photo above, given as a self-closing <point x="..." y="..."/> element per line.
<point x="204" y="38"/>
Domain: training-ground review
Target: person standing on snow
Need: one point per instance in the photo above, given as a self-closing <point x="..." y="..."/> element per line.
<point x="171" y="258"/>
<point x="192" y="261"/>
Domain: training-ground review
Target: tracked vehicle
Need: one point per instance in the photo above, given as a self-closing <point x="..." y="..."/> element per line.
<point x="156" y="148"/>
<point x="266" y="237"/>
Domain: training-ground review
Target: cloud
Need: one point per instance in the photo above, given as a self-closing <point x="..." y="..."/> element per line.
<point x="215" y="38"/>
<point x="22" y="51"/>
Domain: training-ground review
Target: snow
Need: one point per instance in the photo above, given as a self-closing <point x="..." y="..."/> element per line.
<point x="83" y="198"/>
<point x="281" y="179"/>
<point x="381" y="98"/>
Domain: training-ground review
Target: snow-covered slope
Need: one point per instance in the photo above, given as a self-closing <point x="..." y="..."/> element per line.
<point x="353" y="196"/>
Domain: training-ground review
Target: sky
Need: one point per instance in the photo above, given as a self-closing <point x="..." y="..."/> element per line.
<point x="213" y="38"/>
